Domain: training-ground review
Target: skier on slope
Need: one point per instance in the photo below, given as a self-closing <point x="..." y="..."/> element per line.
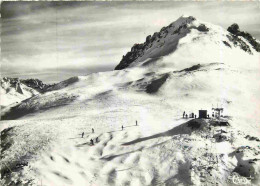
<point x="82" y="135"/>
<point x="91" y="142"/>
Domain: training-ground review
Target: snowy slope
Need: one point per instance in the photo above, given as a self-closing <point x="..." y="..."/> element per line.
<point x="45" y="145"/>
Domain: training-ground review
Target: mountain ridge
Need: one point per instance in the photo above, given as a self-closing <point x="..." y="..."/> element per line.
<point x="184" y="25"/>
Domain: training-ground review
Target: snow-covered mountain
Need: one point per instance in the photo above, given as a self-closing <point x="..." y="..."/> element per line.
<point x="14" y="90"/>
<point x="187" y="66"/>
<point x="187" y="42"/>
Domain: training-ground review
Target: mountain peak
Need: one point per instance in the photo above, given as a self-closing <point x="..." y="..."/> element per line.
<point x="177" y="27"/>
<point x="188" y="33"/>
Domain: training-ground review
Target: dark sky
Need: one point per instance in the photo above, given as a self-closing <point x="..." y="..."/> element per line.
<point x="56" y="40"/>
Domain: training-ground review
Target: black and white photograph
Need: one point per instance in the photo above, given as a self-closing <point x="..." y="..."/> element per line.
<point x="130" y="93"/>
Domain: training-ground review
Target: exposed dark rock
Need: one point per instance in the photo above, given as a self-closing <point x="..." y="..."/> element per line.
<point x="35" y="84"/>
<point x="227" y="44"/>
<point x="252" y="138"/>
<point x="195" y="67"/>
<point x="239" y="42"/>
<point x="5" y="141"/>
<point x="219" y="123"/>
<point x="234" y="29"/>
<point x="148" y="38"/>
<point x="194" y="124"/>
<point x="220" y="137"/>
<point x="154" y="86"/>
<point x="163" y="29"/>
<point x="203" y="28"/>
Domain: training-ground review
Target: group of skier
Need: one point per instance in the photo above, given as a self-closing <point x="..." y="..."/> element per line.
<point x="184" y="115"/>
<point x="82" y="135"/>
<point x="92" y="141"/>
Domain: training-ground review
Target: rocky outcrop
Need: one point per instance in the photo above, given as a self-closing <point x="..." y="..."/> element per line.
<point x="35" y="84"/>
<point x="138" y="49"/>
<point x="203" y="28"/>
<point x="235" y="31"/>
<point x="155" y="85"/>
<point x="239" y="42"/>
<point x="18" y="88"/>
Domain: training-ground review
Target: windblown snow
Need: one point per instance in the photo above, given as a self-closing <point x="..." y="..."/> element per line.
<point x="193" y="68"/>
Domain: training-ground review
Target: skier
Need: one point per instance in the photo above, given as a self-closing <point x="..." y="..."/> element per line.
<point x="136" y="122"/>
<point x="92" y="130"/>
<point x="183" y="114"/>
<point x="186" y="116"/>
<point x="96" y="139"/>
<point x="195" y="116"/>
<point x="82" y="134"/>
<point x="122" y="127"/>
<point x="91" y="142"/>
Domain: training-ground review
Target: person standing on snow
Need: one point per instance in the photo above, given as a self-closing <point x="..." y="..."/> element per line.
<point x="82" y="134"/>
<point x="183" y="114"/>
<point x="91" y="142"/>
<point x="122" y="127"/>
<point x="136" y="122"/>
<point x="92" y="130"/>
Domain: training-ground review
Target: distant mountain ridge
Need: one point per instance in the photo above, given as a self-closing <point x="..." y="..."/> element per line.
<point x="33" y="83"/>
<point x="14" y="90"/>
